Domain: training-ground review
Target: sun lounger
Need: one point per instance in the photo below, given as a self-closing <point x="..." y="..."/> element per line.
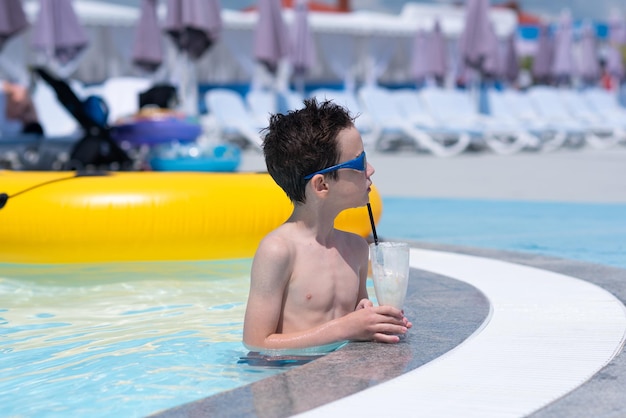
<point x="348" y="100"/>
<point x="261" y="105"/>
<point x="400" y="118"/>
<point x="514" y="107"/>
<point x="292" y="99"/>
<point x="233" y="120"/>
<point x="606" y="104"/>
<point x="603" y="132"/>
<point x="457" y="110"/>
<point x="121" y="94"/>
<point x="518" y="105"/>
<point x="604" y="101"/>
<point x="550" y="107"/>
<point x="53" y="117"/>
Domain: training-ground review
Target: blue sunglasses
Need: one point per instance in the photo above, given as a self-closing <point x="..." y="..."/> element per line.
<point x="359" y="164"/>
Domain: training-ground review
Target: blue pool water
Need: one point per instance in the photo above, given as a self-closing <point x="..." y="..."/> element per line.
<point x="120" y="339"/>
<point x="134" y="338"/>
<point x="588" y="232"/>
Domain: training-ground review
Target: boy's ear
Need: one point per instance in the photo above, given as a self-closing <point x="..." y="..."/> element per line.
<point x="319" y="183"/>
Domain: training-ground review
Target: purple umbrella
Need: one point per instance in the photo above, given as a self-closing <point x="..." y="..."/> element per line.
<point x="194" y="25"/>
<point x="614" y="64"/>
<point x="492" y="64"/>
<point x="617" y="30"/>
<point x="271" y="39"/>
<point x="12" y="19"/>
<point x="420" y="58"/>
<point x="562" y="66"/>
<point x="438" y="63"/>
<point x="617" y="39"/>
<point x="509" y="68"/>
<point x="148" y="49"/>
<point x="478" y="39"/>
<point x="588" y="68"/>
<point x="303" y="49"/>
<point x="57" y="31"/>
<point x="542" y="62"/>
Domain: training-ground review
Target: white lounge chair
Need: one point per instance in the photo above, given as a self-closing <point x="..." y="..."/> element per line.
<point x="264" y="103"/>
<point x="233" y="120"/>
<point x="604" y="101"/>
<point x="55" y="119"/>
<point x="121" y="94"/>
<point x="551" y="109"/>
<point x="603" y="132"/>
<point x="456" y="109"/>
<point x="261" y="105"/>
<point x="512" y="106"/>
<point x="517" y="104"/>
<point x="607" y="105"/>
<point x="398" y="118"/>
<point x="293" y="99"/>
<point x="348" y="100"/>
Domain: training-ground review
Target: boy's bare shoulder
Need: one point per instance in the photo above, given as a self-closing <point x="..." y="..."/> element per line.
<point x="277" y="244"/>
<point x="352" y="239"/>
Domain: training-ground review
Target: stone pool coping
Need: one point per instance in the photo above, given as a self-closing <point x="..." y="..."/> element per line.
<point x="444" y="312"/>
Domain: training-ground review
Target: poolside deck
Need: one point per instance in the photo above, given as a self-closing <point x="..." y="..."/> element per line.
<point x="496" y="333"/>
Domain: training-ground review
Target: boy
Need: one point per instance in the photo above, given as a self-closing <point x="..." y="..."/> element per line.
<point x="308" y="278"/>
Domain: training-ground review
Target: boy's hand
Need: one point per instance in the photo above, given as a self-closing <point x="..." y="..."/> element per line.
<point x="376" y="323"/>
<point x="364" y="303"/>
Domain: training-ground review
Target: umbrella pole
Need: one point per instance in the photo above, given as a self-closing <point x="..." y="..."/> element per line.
<point x="189" y="89"/>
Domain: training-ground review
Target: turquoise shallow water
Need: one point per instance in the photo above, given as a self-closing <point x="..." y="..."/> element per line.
<point x="588" y="232"/>
<point x="122" y="339"/>
<point x="134" y="338"/>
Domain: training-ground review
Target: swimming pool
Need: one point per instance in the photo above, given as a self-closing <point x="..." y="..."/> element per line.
<point x="122" y="339"/>
<point x="131" y="339"/>
<point x="589" y="232"/>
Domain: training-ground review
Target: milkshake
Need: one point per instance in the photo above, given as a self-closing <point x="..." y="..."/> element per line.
<point x="390" y="272"/>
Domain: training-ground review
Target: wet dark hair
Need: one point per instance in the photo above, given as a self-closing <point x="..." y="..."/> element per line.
<point x="304" y="141"/>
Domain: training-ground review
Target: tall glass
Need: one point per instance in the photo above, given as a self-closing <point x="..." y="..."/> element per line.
<point x="390" y="272"/>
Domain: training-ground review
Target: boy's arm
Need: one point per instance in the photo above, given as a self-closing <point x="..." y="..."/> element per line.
<point x="268" y="281"/>
<point x="269" y="278"/>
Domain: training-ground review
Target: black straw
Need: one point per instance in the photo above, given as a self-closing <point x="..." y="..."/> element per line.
<point x="369" y="209"/>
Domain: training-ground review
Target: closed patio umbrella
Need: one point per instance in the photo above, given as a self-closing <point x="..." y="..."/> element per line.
<point x="588" y="67"/>
<point x="478" y="40"/>
<point x="420" y="58"/>
<point x="562" y="65"/>
<point x="193" y="25"/>
<point x="147" y="47"/>
<point x="12" y="20"/>
<point x="303" y="54"/>
<point x="478" y="48"/>
<point x="614" y="63"/>
<point x="439" y="53"/>
<point x="58" y="34"/>
<point x="542" y="62"/>
<point x="617" y="30"/>
<point x="271" y="39"/>
<point x="617" y="41"/>
<point x="509" y="70"/>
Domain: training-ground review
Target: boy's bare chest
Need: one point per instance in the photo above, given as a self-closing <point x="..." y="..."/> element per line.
<point x="325" y="282"/>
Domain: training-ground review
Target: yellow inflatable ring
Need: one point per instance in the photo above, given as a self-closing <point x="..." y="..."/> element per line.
<point x="63" y="217"/>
